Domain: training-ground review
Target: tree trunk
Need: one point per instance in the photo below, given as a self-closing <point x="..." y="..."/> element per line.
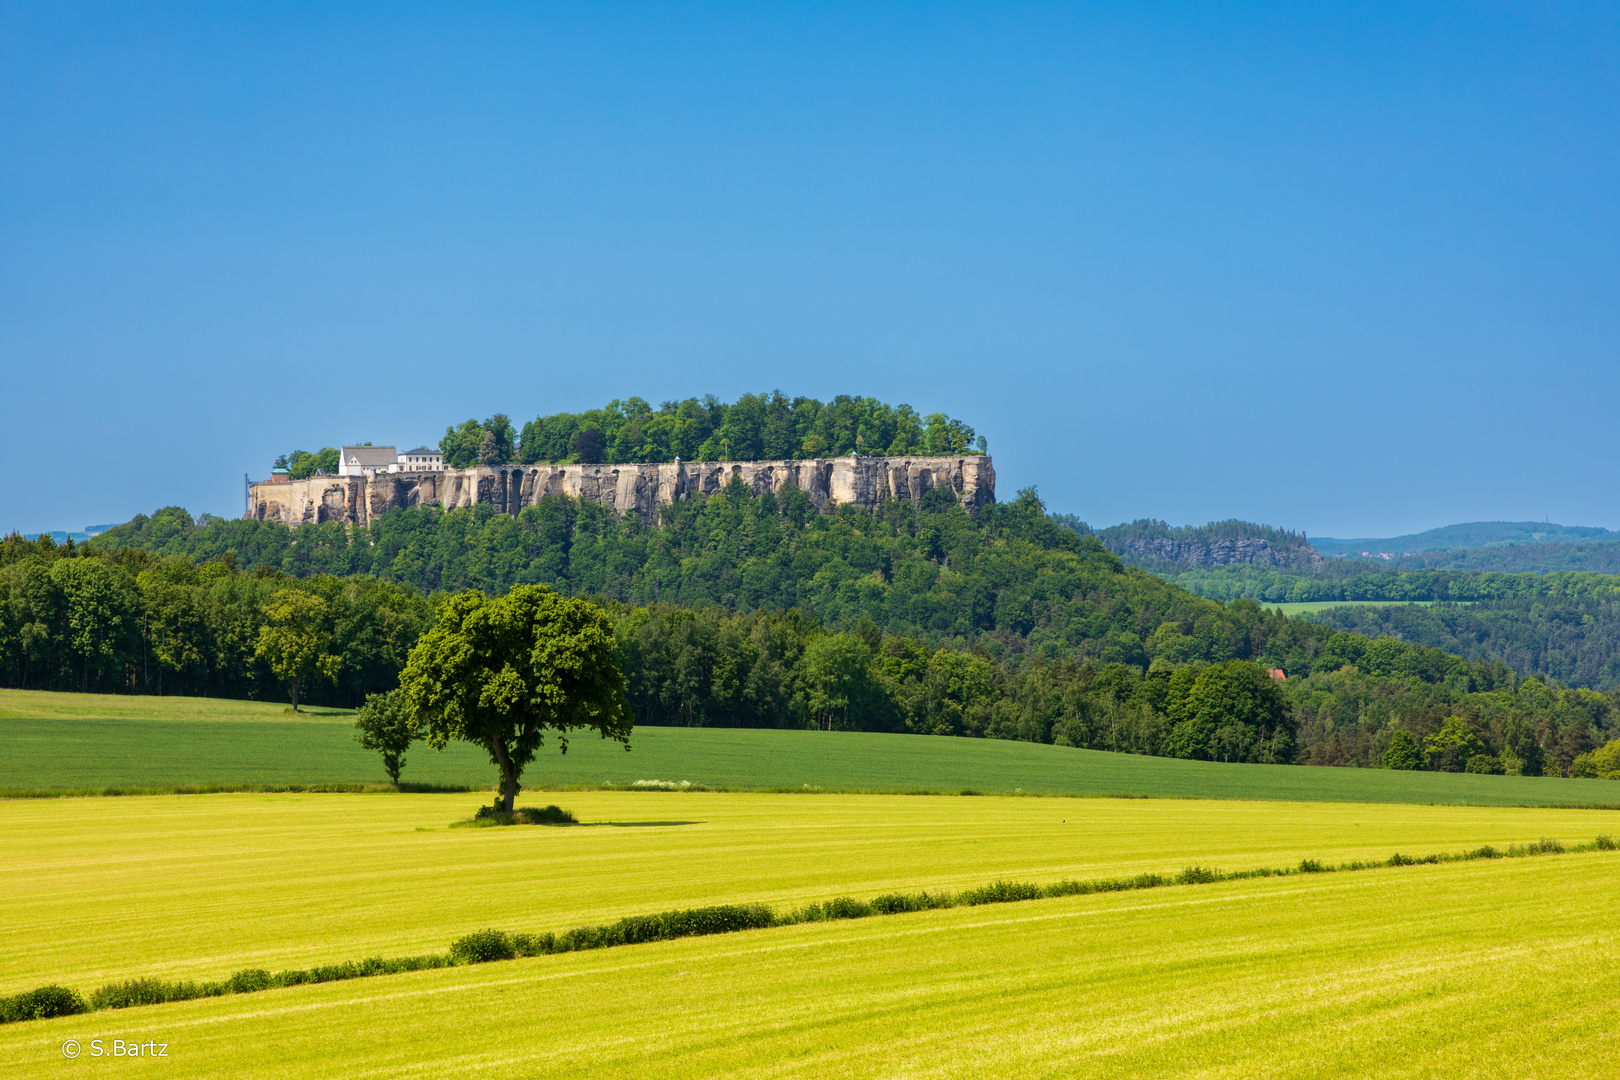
<point x="295" y="695"/>
<point x="509" y="780"/>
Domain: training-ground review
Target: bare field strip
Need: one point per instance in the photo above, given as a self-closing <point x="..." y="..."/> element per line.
<point x="202" y="886"/>
<point x="57" y="705"/>
<point x="1481" y="969"/>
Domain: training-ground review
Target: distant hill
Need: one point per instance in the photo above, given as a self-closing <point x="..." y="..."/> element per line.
<point x="1473" y="534"/>
<point x="1155" y="545"/>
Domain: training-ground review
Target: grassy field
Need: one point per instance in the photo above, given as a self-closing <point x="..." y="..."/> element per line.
<point x="1307" y="606"/>
<point x="201" y="886"/>
<point x="1457" y="969"/>
<point x="51" y="705"/>
<point x="251" y="744"/>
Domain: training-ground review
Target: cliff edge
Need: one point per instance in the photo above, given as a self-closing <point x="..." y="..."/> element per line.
<point x="640" y="489"/>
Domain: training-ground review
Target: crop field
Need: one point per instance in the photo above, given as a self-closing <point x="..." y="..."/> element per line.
<point x="1305" y="607"/>
<point x="1474" y="968"/>
<point x="57" y="742"/>
<point x="51" y="705"/>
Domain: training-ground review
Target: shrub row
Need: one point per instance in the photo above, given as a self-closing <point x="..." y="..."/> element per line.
<point x="123" y="995"/>
<point x="486" y="946"/>
<point x="41" y="1004"/>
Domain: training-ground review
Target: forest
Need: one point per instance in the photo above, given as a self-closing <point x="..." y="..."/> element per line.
<point x="755" y="427"/>
<point x="748" y="610"/>
<point x="1563" y="624"/>
<point x="1269" y="586"/>
<point x="1572" y="637"/>
<point x="1164" y="549"/>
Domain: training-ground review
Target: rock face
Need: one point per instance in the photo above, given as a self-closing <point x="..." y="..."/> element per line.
<point x="642" y="490"/>
<point x="1253" y="551"/>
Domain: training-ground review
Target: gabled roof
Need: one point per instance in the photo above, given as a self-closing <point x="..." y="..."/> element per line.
<point x="370" y="456"/>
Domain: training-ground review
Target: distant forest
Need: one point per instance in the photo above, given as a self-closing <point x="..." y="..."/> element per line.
<point x="1507" y="548"/>
<point x="752" y="610"/>
<point x="1159" y="547"/>
<point x="1471" y="534"/>
<point x="1575" y="639"/>
<point x="1553" y="620"/>
<point x="755" y="427"/>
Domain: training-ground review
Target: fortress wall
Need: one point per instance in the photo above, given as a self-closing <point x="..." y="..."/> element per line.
<point x="640" y="489"/>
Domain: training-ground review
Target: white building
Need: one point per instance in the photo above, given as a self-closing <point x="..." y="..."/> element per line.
<point x="420" y="460"/>
<point x="366" y="460"/>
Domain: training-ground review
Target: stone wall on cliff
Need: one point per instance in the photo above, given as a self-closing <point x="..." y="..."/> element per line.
<point x="640" y="489"/>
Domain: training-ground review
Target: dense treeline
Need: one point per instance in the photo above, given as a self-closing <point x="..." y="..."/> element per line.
<point x="1450" y="539"/>
<point x="1342" y="581"/>
<point x="1487" y="720"/>
<point x="934" y="572"/>
<point x="709" y="667"/>
<point x="754" y="427"/>
<point x="75" y="618"/>
<point x="1545" y="557"/>
<point x="763" y="669"/>
<point x="1574" y="639"/>
<point x="1564" y="625"/>
<point x="1127" y="540"/>
<point x="756" y="611"/>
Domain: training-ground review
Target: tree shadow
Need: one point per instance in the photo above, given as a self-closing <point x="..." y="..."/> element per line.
<point x="640" y="824"/>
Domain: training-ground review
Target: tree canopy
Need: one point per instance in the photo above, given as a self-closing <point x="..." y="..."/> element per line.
<point x="301" y="464"/>
<point x="296" y="639"/>
<point x="383" y="724"/>
<point x="754" y="427"/>
<point x="500" y="672"/>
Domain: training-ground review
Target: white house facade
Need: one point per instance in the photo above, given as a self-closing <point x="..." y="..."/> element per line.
<point x="421" y="459"/>
<point x="366" y="460"/>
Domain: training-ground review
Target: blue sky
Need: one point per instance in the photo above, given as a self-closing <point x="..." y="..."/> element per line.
<point x="1345" y="267"/>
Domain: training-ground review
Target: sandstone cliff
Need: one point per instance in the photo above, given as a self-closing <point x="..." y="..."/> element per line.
<point x="640" y="489"/>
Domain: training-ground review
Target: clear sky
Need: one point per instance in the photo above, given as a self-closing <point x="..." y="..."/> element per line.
<point x="1346" y="267"/>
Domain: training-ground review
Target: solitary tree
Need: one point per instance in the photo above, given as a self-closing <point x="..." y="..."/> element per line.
<point x="295" y="639"/>
<point x="499" y="672"/>
<point x="384" y="724"/>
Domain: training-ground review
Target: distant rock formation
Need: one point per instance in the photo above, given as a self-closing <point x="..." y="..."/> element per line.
<point x="640" y="489"/>
<point x="1253" y="551"/>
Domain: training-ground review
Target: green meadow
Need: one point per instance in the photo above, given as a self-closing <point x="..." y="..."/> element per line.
<point x="1414" y="971"/>
<point x="1305" y="607"/>
<point x="88" y="743"/>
